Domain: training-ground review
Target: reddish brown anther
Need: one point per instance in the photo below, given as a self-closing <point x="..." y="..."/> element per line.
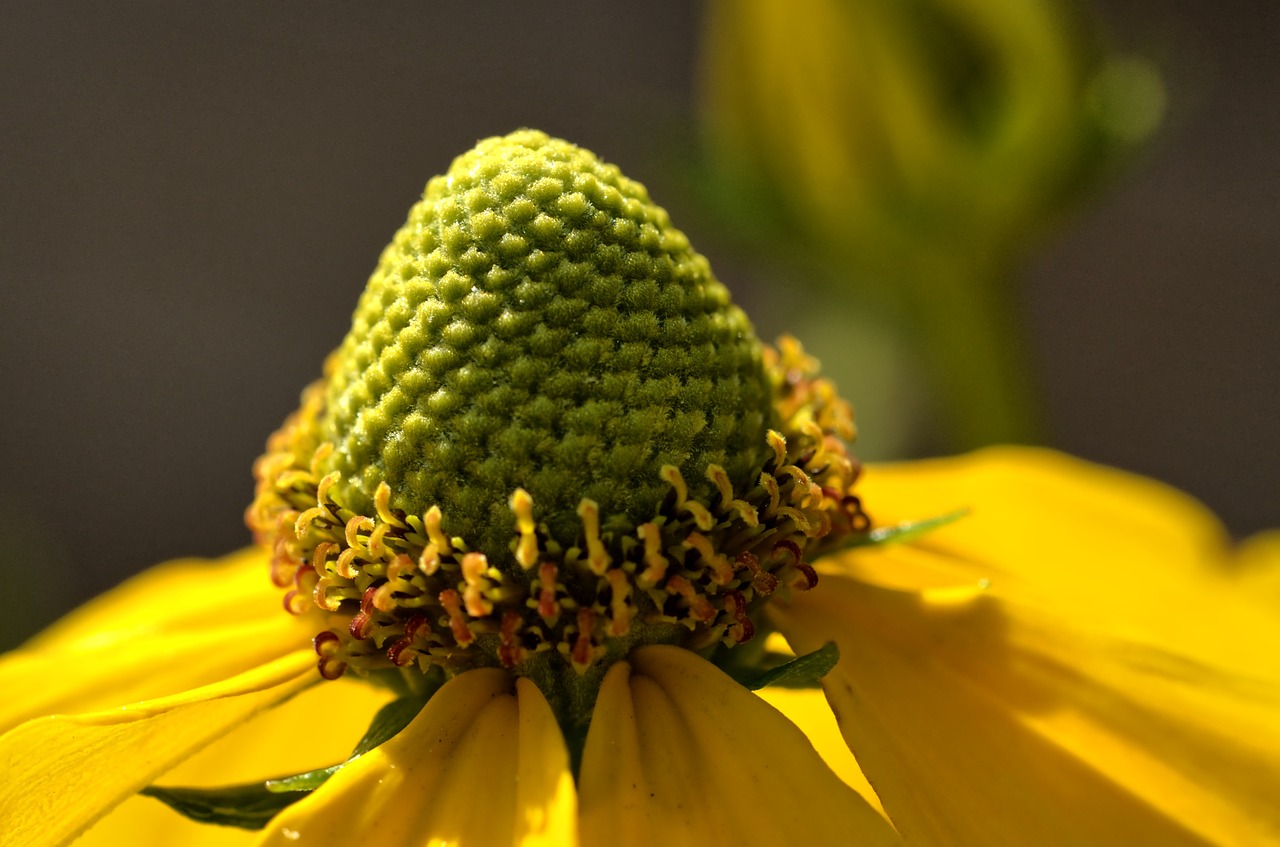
<point x="328" y="647"/>
<point x="295" y="603"/>
<point x="416" y="626"/>
<point x="282" y="565"/>
<point x="510" y="651"/>
<point x="369" y="599"/>
<point x="399" y="653"/>
<point x="763" y="582"/>
<point x="583" y="652"/>
<point x="359" y="627"/>
<point x="548" y="608"/>
<point x="788" y="546"/>
<point x="304" y="580"/>
<point x="735" y="606"/>
<point x="859" y="520"/>
<point x="452" y="602"/>
<point x="809" y="577"/>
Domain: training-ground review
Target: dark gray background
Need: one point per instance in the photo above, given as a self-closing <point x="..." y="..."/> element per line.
<point x="193" y="195"/>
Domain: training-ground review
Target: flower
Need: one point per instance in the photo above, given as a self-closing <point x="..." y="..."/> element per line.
<point x="1066" y="664"/>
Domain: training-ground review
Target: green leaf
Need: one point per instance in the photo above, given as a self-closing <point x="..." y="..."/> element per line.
<point x="252" y="805"/>
<point x="897" y="533"/>
<point x="908" y="530"/>
<point x="390" y="719"/>
<point x="245" y="806"/>
<point x="804" y="671"/>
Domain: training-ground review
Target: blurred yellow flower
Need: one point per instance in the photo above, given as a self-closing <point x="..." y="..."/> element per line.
<point x="913" y="153"/>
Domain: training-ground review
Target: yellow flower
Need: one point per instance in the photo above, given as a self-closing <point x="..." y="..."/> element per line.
<point x="1070" y="663"/>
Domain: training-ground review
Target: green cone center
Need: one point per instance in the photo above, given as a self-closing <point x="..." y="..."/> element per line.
<point x="537" y="323"/>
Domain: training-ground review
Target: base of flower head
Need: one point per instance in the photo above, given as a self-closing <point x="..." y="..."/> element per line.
<point x="398" y="591"/>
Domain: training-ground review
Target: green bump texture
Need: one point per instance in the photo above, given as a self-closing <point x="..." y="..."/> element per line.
<point x="538" y="323"/>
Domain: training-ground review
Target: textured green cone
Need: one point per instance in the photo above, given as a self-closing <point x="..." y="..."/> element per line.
<point x="538" y="323"/>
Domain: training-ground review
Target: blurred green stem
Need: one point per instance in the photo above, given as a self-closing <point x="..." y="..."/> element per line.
<point x="962" y="315"/>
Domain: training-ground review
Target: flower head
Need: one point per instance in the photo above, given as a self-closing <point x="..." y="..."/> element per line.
<point x="549" y="437"/>
<point x="559" y="504"/>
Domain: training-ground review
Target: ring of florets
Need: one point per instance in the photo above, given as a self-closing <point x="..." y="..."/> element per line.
<point x="397" y="591"/>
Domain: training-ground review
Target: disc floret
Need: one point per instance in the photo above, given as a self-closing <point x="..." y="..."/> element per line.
<point x="536" y="502"/>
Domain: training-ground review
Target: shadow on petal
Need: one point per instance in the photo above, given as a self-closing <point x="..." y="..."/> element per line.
<point x="318" y="727"/>
<point x="61" y="773"/>
<point x="986" y="720"/>
<point x="178" y="626"/>
<point x="480" y="764"/>
<point x="680" y="754"/>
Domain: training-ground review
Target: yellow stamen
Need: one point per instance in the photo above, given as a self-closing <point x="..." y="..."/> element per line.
<point x="671" y="476"/>
<point x="527" y="548"/>
<point x="382" y="505"/>
<point x="375" y="540"/>
<point x="475" y="569"/>
<point x="701" y="516"/>
<point x="353" y="529"/>
<point x="720" y="567"/>
<point x="346" y="565"/>
<point x="452" y="603"/>
<point x="429" y="561"/>
<point x="547" y="606"/>
<point x="720" y="479"/>
<point x="598" y="558"/>
<point x="770" y="485"/>
<point x="619" y="607"/>
<point x="431" y="521"/>
<point x="778" y="443"/>
<point x="699" y="606"/>
<point x="583" y="653"/>
<point x="655" y="562"/>
<point x="327" y="483"/>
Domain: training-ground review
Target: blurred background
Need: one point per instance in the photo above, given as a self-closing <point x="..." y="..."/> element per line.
<point x="993" y="220"/>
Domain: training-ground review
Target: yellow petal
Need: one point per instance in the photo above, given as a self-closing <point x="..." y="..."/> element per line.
<point x="144" y="822"/>
<point x="479" y="765"/>
<point x="1257" y="566"/>
<point x="1045" y="516"/>
<point x="186" y="594"/>
<point x="1087" y="543"/>
<point x="317" y="728"/>
<point x="679" y="754"/>
<point x="1074" y="643"/>
<point x="808" y="709"/>
<point x="178" y="626"/>
<point x="546" y="798"/>
<point x="84" y="676"/>
<point x="59" y="774"/>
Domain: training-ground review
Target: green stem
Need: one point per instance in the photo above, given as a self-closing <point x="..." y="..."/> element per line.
<point x="964" y="319"/>
<point x="958" y="312"/>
